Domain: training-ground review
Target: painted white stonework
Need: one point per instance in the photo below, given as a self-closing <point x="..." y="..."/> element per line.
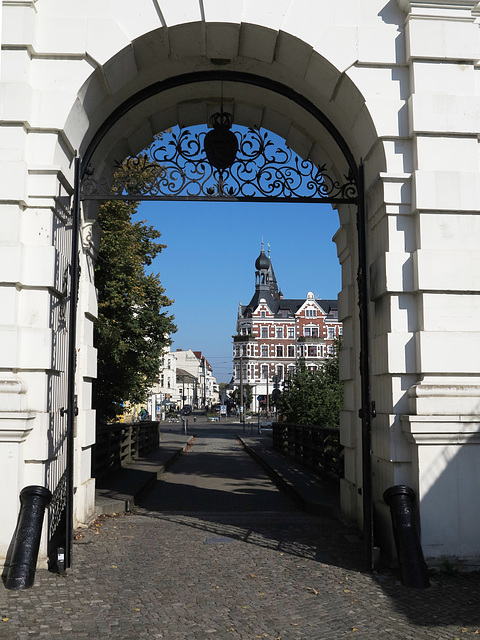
<point x="398" y="79"/>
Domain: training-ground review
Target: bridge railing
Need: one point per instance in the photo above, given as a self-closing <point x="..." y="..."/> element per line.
<point x="318" y="448"/>
<point x="119" y="443"/>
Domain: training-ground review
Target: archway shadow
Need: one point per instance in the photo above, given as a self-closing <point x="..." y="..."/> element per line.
<point x="233" y="514"/>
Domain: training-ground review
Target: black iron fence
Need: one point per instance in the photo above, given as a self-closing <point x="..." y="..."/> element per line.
<point x="122" y="442"/>
<point x="316" y="447"/>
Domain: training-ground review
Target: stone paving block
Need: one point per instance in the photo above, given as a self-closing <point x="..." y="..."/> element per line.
<point x="206" y="574"/>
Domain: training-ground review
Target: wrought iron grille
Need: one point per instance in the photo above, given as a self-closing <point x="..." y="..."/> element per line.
<point x="57" y="467"/>
<point x="175" y="166"/>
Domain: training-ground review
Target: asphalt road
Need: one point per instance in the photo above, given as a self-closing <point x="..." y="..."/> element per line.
<point x="216" y="474"/>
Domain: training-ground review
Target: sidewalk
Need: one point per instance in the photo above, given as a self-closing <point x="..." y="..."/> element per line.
<point x="121" y="490"/>
<point x="314" y="495"/>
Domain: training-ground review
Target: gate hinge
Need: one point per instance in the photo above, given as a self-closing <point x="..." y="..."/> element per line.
<point x="373" y="411"/>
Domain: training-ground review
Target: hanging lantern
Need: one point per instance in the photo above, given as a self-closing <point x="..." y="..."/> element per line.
<point x="221" y="144"/>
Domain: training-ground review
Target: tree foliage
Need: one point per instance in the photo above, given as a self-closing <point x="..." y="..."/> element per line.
<point x="314" y="397"/>
<point x="132" y="327"/>
<point x="247" y="395"/>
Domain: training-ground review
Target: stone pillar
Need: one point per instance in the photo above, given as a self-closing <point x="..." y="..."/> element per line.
<point x="442" y="419"/>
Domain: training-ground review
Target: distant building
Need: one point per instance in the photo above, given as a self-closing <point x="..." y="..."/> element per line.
<point x="164" y="395"/>
<point x="274" y="332"/>
<point x="185" y="377"/>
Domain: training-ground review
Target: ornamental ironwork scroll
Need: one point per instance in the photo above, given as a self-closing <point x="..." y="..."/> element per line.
<point x="176" y="167"/>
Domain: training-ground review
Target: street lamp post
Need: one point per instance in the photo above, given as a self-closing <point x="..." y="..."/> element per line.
<point x="242" y="407"/>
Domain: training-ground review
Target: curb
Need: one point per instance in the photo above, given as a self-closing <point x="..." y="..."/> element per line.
<point x="115" y="500"/>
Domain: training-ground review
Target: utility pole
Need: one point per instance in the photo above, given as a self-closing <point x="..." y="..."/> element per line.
<point x="268" y="399"/>
<point x="204" y="383"/>
<point x="242" y="408"/>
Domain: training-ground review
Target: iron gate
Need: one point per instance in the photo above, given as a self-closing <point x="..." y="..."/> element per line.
<point x="61" y="383"/>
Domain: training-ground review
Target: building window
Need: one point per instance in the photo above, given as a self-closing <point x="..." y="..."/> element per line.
<point x="264" y="371"/>
<point x="314" y="332"/>
<point x="279" y="351"/>
<point x="312" y="351"/>
<point x="311" y="313"/>
<point x="280" y="372"/>
<point x="331" y="333"/>
<point x="262" y="314"/>
<point x="290" y="351"/>
<point x="264" y="332"/>
<point x="279" y="332"/>
<point x="330" y="349"/>
<point x="264" y="351"/>
<point x="291" y="332"/>
<point x="340" y="330"/>
<point x="290" y="370"/>
<point x="306" y="332"/>
<point x="283" y="313"/>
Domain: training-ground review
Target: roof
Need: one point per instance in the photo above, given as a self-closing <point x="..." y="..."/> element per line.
<point x="198" y="354"/>
<point x="182" y="373"/>
<point x="289" y="305"/>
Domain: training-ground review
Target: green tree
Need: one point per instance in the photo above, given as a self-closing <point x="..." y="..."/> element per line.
<point x="247" y="394"/>
<point x="314" y="397"/>
<point x="132" y="328"/>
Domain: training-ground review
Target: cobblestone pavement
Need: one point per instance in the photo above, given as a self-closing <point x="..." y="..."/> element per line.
<point x="240" y="574"/>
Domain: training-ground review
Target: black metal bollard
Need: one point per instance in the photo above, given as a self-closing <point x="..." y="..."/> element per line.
<point x="21" y="572"/>
<point x="413" y="568"/>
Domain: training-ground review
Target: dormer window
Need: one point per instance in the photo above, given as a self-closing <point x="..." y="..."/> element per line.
<point x="262" y="314"/>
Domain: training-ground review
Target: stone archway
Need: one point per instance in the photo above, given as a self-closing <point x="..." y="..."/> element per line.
<point x="121" y="128"/>
<point x="371" y="77"/>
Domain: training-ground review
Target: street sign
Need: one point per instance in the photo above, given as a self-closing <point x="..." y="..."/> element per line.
<point x="223" y="410"/>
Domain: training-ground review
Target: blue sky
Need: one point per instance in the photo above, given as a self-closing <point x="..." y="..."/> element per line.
<point x="208" y="265"/>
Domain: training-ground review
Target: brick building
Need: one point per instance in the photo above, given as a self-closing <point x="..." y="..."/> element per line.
<point x="273" y="332"/>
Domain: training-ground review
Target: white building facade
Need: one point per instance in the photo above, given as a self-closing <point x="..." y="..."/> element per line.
<point x="392" y="86"/>
<point x="164" y="395"/>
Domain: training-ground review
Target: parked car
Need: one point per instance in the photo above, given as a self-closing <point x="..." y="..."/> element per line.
<point x="187" y="410"/>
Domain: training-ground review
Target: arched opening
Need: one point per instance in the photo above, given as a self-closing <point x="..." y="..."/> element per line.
<point x="121" y="133"/>
<point x="374" y="73"/>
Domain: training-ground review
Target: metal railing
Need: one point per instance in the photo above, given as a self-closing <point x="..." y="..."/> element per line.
<point x="318" y="448"/>
<point x="122" y="442"/>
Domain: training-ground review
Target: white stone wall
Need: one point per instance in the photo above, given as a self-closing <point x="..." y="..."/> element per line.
<point x="398" y="81"/>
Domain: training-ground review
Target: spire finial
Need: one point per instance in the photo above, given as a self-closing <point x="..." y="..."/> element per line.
<point x="268" y="245"/>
